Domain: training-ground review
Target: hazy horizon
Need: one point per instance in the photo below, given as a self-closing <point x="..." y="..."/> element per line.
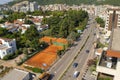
<point x="4" y="1"/>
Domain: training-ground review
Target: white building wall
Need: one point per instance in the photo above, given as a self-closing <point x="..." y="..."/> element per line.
<point x="2" y="53"/>
<point x="117" y="74"/>
<point x="106" y="70"/>
<point x="114" y="72"/>
<point x="33" y="6"/>
<point x="9" y="47"/>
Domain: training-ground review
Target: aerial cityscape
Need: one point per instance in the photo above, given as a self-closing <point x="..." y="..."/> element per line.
<point x="59" y="40"/>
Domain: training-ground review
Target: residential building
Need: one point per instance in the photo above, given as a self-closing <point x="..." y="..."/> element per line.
<point x="4" y="7"/>
<point x="113" y="18"/>
<point x="25" y="6"/>
<point x="33" y="6"/>
<point x="17" y="74"/>
<point x="42" y="27"/>
<point x="7" y="46"/>
<point x="24" y="27"/>
<point x="109" y="64"/>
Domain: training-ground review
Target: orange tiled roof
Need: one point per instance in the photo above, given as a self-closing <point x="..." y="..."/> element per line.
<point x="112" y="53"/>
<point x="36" y="20"/>
<point x="8" y="23"/>
<point x="18" y="22"/>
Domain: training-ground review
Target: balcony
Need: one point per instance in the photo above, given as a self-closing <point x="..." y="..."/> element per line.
<point x="102" y="76"/>
<point x="107" y="65"/>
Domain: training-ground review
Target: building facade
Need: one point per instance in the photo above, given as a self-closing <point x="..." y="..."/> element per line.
<point x="25" y="6"/>
<point x="17" y="74"/>
<point x="109" y="64"/>
<point x="113" y="19"/>
<point x="7" y="46"/>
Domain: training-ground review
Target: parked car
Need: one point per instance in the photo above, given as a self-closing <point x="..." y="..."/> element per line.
<point x="75" y="65"/>
<point x="76" y="74"/>
<point x="87" y="51"/>
<point x="94" y="34"/>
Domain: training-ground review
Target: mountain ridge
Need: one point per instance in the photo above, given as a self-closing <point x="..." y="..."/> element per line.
<point x="71" y="2"/>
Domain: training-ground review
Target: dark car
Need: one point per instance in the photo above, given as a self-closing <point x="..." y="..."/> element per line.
<point x="75" y="65"/>
<point x="94" y="34"/>
<point x="87" y="51"/>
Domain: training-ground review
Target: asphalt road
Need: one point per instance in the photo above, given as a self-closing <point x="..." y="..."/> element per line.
<point x="60" y="67"/>
<point x="81" y="58"/>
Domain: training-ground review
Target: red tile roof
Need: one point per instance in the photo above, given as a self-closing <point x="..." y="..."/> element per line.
<point x="112" y="53"/>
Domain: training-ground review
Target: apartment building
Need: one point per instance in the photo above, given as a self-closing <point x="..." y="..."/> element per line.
<point x="25" y="6"/>
<point x="113" y="18"/>
<point x="101" y="11"/>
<point x="7" y="46"/>
<point x="109" y="64"/>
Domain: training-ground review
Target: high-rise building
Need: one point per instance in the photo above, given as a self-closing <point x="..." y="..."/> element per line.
<point x="25" y="6"/>
<point x="113" y="19"/>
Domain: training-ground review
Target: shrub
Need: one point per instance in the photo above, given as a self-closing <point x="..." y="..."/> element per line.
<point x="100" y="45"/>
<point x="101" y="78"/>
<point x="8" y="56"/>
<point x="36" y="70"/>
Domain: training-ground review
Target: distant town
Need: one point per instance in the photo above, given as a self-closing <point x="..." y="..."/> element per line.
<point x="59" y="42"/>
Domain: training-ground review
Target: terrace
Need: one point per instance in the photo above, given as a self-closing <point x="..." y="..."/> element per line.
<point x="108" y="61"/>
<point x="102" y="76"/>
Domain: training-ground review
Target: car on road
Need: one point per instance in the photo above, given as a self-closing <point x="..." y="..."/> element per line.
<point x="87" y="51"/>
<point x="76" y="74"/>
<point x="94" y="34"/>
<point x="75" y="65"/>
<point x="83" y="79"/>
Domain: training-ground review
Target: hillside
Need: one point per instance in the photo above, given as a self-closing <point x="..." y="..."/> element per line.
<point x="71" y="2"/>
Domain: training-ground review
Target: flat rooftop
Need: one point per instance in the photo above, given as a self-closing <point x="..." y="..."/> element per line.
<point x="116" y="40"/>
<point x="15" y="74"/>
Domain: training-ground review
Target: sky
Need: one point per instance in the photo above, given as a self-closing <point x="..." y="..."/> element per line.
<point x="4" y="1"/>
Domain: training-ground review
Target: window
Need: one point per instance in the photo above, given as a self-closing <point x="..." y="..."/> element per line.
<point x="11" y="44"/>
<point x="3" y="52"/>
<point x="9" y="51"/>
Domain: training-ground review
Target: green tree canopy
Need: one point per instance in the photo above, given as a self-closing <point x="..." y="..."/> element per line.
<point x="100" y="21"/>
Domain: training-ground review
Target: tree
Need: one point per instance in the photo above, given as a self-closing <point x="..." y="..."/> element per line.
<point x="3" y="31"/>
<point x="64" y="22"/>
<point x="92" y="62"/>
<point x="43" y="45"/>
<point x="28" y="22"/>
<point x="16" y="15"/>
<point x="31" y="33"/>
<point x="64" y="28"/>
<point x="73" y="36"/>
<point x="8" y="56"/>
<point x="25" y="50"/>
<point x="100" y="21"/>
